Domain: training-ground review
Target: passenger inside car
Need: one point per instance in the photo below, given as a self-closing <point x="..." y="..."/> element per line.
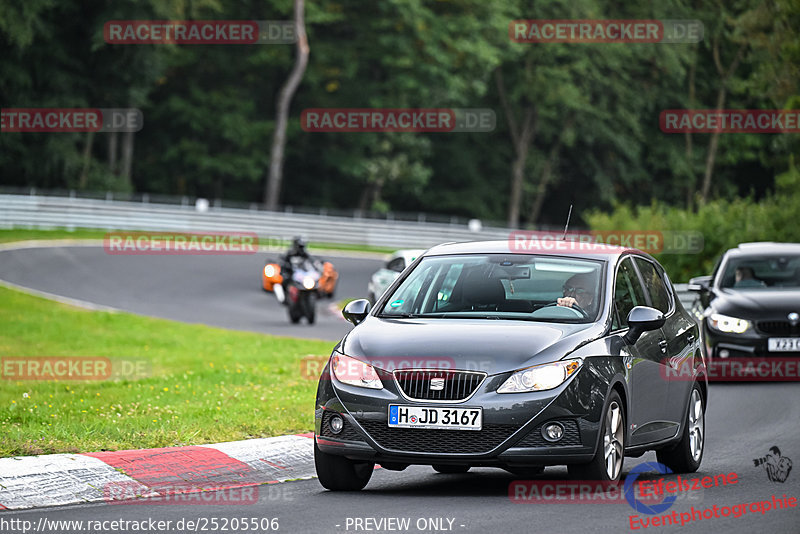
<point x="745" y="277"/>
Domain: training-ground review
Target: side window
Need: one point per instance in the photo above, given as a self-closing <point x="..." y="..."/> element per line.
<point x="397" y="264"/>
<point x="628" y="293"/>
<point x="655" y="285"/>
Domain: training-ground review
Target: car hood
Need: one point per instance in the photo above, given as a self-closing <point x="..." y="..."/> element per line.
<point x="493" y="346"/>
<point x="757" y="303"/>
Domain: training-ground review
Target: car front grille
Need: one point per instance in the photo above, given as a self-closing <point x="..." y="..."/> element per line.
<point x="571" y="438"/>
<point x="348" y="432"/>
<point x="780" y="328"/>
<point x="438" y="441"/>
<point x="438" y="384"/>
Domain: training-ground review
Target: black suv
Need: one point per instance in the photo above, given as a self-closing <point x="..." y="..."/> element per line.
<point x="750" y="305"/>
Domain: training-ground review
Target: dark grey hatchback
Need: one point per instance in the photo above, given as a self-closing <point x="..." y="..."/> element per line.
<point x="483" y="355"/>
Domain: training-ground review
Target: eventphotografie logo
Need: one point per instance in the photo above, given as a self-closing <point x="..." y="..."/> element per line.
<point x="190" y="32"/>
<point x="161" y="243"/>
<point x="676" y="121"/>
<point x="605" y="31"/>
<point x="398" y="120"/>
<point x="60" y="120"/>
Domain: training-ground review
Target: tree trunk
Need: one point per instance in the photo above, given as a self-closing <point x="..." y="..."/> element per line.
<point x="712" y="150"/>
<point x="690" y="186"/>
<point x="272" y="191"/>
<point x="87" y="160"/>
<point x="725" y="75"/>
<point x="127" y="160"/>
<point x="112" y="153"/>
<point x="547" y="172"/>
<point x="521" y="141"/>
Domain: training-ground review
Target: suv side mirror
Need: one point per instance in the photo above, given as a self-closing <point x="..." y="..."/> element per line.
<point x="700" y="284"/>
<point x="356" y="311"/>
<point x="642" y="319"/>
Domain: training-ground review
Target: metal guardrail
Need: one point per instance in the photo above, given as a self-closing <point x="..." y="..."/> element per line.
<point x="36" y="211"/>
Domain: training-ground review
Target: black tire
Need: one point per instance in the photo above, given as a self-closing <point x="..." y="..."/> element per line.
<point x="308" y="304"/>
<point x="596" y="468"/>
<point x="338" y="473"/>
<point x="681" y="457"/>
<point x="450" y="469"/>
<point x="526" y="472"/>
<point x="295" y="313"/>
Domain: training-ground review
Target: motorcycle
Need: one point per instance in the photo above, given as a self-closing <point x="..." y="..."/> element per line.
<point x="302" y="288"/>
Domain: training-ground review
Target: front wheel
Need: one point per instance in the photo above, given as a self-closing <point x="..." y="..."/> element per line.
<point x="309" y="306"/>
<point x="607" y="462"/>
<point x="686" y="455"/>
<point x="338" y="473"/>
<point x="450" y="469"/>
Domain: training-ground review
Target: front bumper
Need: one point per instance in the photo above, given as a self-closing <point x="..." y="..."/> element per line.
<point x="511" y="433"/>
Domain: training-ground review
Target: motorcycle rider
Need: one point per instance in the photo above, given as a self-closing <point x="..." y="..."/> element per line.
<point x="297" y="250"/>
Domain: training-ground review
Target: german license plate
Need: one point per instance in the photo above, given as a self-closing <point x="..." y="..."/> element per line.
<point x="434" y="417"/>
<point x="784" y="344"/>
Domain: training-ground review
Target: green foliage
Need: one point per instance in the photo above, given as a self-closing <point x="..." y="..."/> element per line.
<point x="723" y="223"/>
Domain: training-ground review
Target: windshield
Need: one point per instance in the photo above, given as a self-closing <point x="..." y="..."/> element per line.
<point x="761" y="272"/>
<point x="497" y="286"/>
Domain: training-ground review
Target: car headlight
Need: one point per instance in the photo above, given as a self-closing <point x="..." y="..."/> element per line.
<point x="355" y="372"/>
<point x="309" y="282"/>
<point x="540" y="377"/>
<point x="731" y="325"/>
<point x="269" y="271"/>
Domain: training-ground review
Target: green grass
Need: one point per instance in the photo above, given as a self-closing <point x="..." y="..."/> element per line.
<point x="204" y="385"/>
<point x="20" y="234"/>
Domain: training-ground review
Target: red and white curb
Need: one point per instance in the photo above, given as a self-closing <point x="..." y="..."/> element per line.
<point x="58" y="479"/>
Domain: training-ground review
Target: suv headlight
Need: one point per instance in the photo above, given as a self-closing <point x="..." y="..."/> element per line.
<point x="355" y="372"/>
<point x="731" y="325"/>
<point x="540" y="377"/>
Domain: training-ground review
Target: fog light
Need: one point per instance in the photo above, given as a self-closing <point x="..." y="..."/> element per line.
<point x="553" y="432"/>
<point x="724" y="353"/>
<point x="337" y="423"/>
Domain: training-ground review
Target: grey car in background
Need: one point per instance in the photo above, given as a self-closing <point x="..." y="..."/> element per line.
<point x="383" y="277"/>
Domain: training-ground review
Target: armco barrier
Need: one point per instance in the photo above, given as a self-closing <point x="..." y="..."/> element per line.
<point x="35" y="211"/>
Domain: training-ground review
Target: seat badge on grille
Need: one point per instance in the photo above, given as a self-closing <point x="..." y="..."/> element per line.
<point x="437" y="384"/>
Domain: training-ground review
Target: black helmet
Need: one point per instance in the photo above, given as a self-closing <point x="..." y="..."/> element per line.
<point x="299" y="243"/>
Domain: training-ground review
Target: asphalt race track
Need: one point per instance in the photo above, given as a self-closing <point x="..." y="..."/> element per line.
<point x="743" y="421"/>
<point x="222" y="291"/>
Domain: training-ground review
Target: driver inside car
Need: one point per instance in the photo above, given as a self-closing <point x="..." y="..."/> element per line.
<point x="577" y="292"/>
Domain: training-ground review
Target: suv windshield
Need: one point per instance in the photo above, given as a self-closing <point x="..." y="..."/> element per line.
<point x="500" y="286"/>
<point x="759" y="272"/>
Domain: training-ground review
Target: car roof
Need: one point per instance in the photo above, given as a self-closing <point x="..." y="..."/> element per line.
<point x="595" y="252"/>
<point x="764" y="247"/>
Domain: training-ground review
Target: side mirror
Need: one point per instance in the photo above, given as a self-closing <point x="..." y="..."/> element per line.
<point x="700" y="284"/>
<point x="356" y="311"/>
<point x="642" y="319"/>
